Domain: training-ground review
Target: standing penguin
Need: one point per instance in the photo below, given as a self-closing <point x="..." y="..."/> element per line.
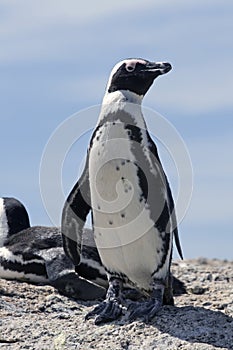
<point x="125" y="188"/>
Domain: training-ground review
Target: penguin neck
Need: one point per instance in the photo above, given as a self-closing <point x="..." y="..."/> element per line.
<point x="122" y="101"/>
<point x="4" y="228"/>
<point x="121" y="97"/>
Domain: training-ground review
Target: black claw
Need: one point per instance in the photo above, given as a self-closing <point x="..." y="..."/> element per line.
<point x="99" y="319"/>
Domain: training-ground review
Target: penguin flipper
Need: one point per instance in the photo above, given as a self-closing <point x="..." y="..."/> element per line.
<point x="177" y="241"/>
<point x="74" y="286"/>
<point x="62" y="276"/>
<point x="75" y="211"/>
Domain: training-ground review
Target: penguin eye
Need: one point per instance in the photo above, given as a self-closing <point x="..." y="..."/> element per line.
<point x="130" y="68"/>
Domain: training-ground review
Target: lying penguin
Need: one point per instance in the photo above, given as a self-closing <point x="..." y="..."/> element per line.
<point x="35" y="254"/>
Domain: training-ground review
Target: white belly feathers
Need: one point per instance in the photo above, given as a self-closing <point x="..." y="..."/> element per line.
<point x="125" y="235"/>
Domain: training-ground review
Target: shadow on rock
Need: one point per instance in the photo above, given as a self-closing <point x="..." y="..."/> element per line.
<point x="196" y="325"/>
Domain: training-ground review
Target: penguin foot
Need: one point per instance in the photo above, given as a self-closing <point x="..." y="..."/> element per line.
<point x="107" y="311"/>
<point x="110" y="309"/>
<point x="146" y="310"/>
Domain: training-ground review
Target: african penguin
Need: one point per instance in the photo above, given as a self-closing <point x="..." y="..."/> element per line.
<point x="125" y="188"/>
<point x="35" y="254"/>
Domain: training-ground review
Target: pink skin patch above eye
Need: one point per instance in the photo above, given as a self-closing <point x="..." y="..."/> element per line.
<point x="130" y="64"/>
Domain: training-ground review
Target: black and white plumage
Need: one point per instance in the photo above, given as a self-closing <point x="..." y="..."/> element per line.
<point x="125" y="188"/>
<point x="35" y="254"/>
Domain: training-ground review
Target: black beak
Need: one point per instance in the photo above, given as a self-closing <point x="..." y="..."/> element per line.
<point x="158" y="68"/>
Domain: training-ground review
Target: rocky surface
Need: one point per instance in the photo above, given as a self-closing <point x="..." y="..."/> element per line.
<point x="38" y="317"/>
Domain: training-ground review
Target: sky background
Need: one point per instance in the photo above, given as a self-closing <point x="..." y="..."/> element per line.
<point x="55" y="59"/>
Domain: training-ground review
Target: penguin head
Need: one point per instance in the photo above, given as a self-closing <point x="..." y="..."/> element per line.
<point x="13" y="217"/>
<point x="136" y="75"/>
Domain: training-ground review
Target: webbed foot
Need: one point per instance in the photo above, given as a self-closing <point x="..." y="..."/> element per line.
<point x="147" y="310"/>
<point x="107" y="311"/>
<point x="110" y="309"/>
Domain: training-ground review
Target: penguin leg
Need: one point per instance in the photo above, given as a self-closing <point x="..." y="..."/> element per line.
<point x="61" y="274"/>
<point x="149" y="308"/>
<point x="168" y="291"/>
<point x="111" y="308"/>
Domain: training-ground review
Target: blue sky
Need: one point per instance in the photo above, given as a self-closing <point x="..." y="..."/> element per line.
<point x="55" y="59"/>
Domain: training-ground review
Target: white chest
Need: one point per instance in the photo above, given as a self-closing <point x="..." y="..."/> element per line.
<point x="125" y="235"/>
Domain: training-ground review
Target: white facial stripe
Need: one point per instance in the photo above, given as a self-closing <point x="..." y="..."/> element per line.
<point x="132" y="63"/>
<point x="135" y="61"/>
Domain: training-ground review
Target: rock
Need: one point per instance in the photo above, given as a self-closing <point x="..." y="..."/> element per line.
<point x="38" y="317"/>
<point x="59" y="341"/>
<point x="197" y="290"/>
